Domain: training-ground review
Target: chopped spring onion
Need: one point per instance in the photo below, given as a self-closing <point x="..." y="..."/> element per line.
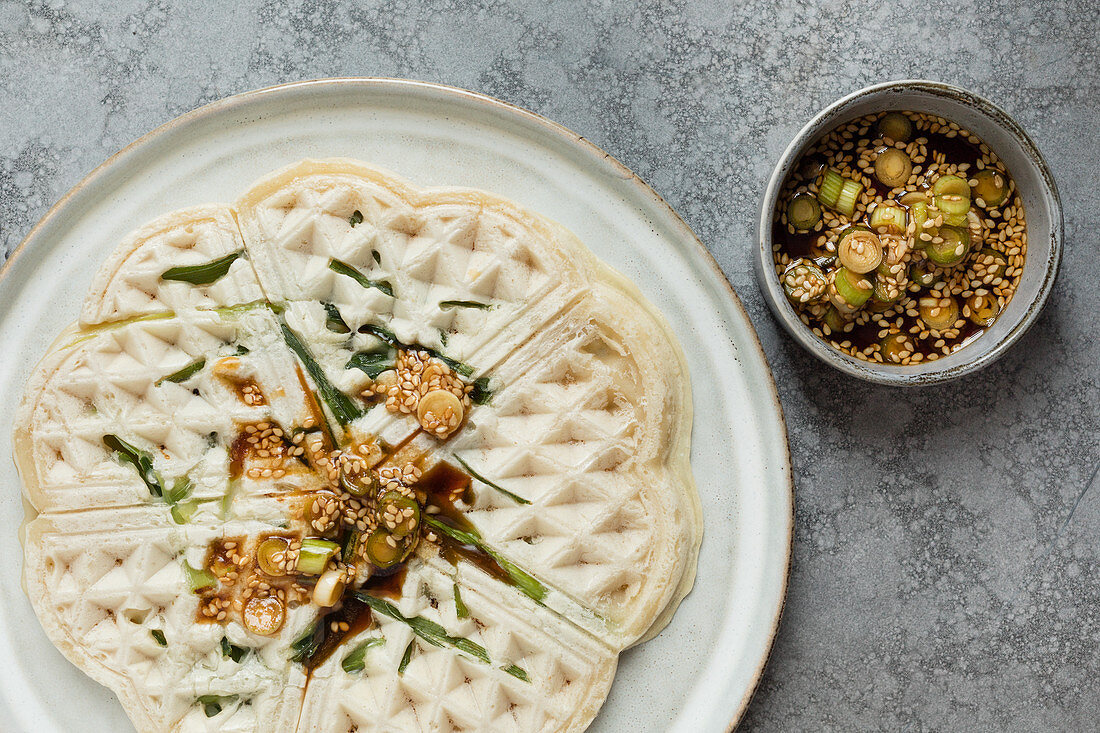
<point x="141" y="460"/>
<point x="356" y="661"/>
<point x="518" y="672"/>
<point x="896" y="347"/>
<point x="991" y="188"/>
<point x="426" y="629"/>
<point x="398" y="513"/>
<point x="388" y="336"/>
<point x="384" y="550"/>
<point x="889" y="217"/>
<point x="351" y="545"/>
<point x="849" y="197"/>
<point x="371" y="363"/>
<point x="835" y="320"/>
<point x="804" y="282"/>
<point x="995" y="262"/>
<point x="307" y="644"/>
<point x="460" y="608"/>
<point x="204" y="274"/>
<point x="889" y="286"/>
<point x="803" y="211"/>
<point x="334" y="321"/>
<point x="893" y="167"/>
<point x="448" y="304"/>
<point x="232" y="651"/>
<point x="213" y="704"/>
<point x="183" y="512"/>
<point x="951" y="195"/>
<point x="487" y="482"/>
<point x="198" y="579"/>
<point x="983" y="309"/>
<point x="938" y="314"/>
<point x="158" y="636"/>
<point x="343" y="268"/>
<point x="343" y="409"/>
<point x="527" y="584"/>
<point x="921" y="224"/>
<point x="329" y="588"/>
<point x="951" y="248"/>
<point x="924" y="274"/>
<point x="181" y="489"/>
<point x="895" y="126"/>
<point x="859" y="250"/>
<point x="406" y="658"/>
<point x="183" y="374"/>
<point x="849" y="291"/>
<point x="266" y="553"/>
<point x="356" y="217"/>
<point x="829" y="191"/>
<point x="482" y="393"/>
<point x="315" y="555"/>
<point x="358" y="483"/>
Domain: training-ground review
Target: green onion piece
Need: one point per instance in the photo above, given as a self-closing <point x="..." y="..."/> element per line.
<point x="426" y="629"/>
<point x="142" y="461"/>
<point x="443" y="337"/>
<point x="895" y="126"/>
<point x="343" y="409"/>
<point x="517" y="672"/>
<point x="463" y="369"/>
<point x="314" y="555"/>
<point x="356" y="661"/>
<point x="803" y="211"/>
<point x="183" y="374"/>
<point x="448" y="304"/>
<point x="380" y="332"/>
<point x="334" y="321"/>
<point x="487" y="482"/>
<point x="481" y="393"/>
<point x="306" y="645"/>
<point x="232" y="651"/>
<point x="377" y="257"/>
<point x="198" y="579"/>
<point x="351" y="545"/>
<point x="204" y="274"/>
<point x="849" y="195"/>
<point x="183" y="512"/>
<point x="343" y="268"/>
<point x="181" y="489"/>
<point x="158" y="636"/>
<point x="371" y="363"/>
<point x="460" y="608"/>
<point x="991" y="188"/>
<point x="212" y="704"/>
<point x="527" y="584"/>
<point x="406" y="658"/>
<point x="356" y="217"/>
<point x="829" y="191"/>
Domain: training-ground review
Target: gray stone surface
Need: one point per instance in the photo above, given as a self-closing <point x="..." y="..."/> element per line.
<point x="946" y="558"/>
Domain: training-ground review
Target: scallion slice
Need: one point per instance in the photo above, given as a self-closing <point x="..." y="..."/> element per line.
<point x="141" y="460"/>
<point x="356" y="661"/>
<point x="803" y="211"/>
<point x="334" y="321"/>
<point x="487" y="482"/>
<point x="523" y="580"/>
<point x="343" y="409"/>
<point x="343" y="268"/>
<point x="198" y="579"/>
<point x="460" y="608"/>
<point x="518" y="672"/>
<point x="372" y="363"/>
<point x="355" y="218"/>
<point x="315" y="555"/>
<point x="406" y="658"/>
<point x="849" y="196"/>
<point x="829" y="191"/>
<point x="204" y="274"/>
<point x="183" y="374"/>
<point x="158" y="637"/>
<point x="448" y="304"/>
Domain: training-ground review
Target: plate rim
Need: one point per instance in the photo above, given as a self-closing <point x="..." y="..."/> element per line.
<point x="564" y="134"/>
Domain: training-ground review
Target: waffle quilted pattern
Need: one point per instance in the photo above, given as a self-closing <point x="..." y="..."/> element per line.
<point x="578" y="464"/>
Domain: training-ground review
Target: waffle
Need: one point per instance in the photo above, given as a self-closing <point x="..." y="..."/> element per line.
<point x="228" y="378"/>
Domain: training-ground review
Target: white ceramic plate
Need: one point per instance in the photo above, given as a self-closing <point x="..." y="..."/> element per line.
<point x="700" y="672"/>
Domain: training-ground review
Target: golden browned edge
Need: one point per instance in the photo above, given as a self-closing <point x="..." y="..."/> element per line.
<point x="558" y="131"/>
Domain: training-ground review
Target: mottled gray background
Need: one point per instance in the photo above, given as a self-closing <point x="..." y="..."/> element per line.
<point x="945" y="561"/>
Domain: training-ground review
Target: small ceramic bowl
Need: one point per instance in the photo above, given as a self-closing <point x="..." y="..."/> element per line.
<point x="1033" y="180"/>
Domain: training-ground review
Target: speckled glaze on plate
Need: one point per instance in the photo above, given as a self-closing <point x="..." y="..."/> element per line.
<point x="698" y="674"/>
<point x="1034" y="181"/>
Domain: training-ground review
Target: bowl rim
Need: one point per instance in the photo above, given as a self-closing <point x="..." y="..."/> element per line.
<point x="883" y="373"/>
